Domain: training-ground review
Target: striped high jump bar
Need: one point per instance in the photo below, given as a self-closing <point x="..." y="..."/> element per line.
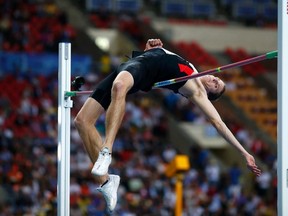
<point x="269" y="55"/>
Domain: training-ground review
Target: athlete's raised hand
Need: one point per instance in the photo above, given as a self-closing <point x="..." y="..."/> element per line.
<point x="153" y="43"/>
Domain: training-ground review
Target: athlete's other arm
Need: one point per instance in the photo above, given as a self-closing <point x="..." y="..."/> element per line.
<point x="199" y="98"/>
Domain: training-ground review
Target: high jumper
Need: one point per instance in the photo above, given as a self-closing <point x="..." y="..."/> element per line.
<point x="140" y="73"/>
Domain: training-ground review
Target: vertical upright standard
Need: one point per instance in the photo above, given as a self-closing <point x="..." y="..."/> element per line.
<point x="64" y="111"/>
<point x="282" y="138"/>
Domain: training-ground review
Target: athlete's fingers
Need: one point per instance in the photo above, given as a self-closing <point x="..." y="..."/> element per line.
<point x="155" y="42"/>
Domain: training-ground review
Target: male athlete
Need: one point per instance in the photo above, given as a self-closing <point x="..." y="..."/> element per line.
<point x="139" y="74"/>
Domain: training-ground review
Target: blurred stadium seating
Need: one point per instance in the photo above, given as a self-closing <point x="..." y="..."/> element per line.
<point x="28" y="117"/>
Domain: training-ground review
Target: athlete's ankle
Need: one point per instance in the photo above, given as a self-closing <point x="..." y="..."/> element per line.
<point x="106" y="146"/>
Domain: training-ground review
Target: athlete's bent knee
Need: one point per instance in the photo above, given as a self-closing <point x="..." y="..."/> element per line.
<point x="80" y="122"/>
<point x="119" y="89"/>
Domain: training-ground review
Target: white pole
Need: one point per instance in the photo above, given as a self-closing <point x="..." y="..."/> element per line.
<point x="64" y="112"/>
<point x="282" y="167"/>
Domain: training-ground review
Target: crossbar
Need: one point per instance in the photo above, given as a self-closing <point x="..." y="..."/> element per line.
<point x="269" y="55"/>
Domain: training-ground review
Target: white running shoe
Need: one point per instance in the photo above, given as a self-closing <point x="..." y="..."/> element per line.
<point x="101" y="166"/>
<point x="109" y="191"/>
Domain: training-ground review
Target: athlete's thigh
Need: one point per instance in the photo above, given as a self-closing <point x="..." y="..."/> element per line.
<point x="102" y="93"/>
<point x="135" y="80"/>
<point x="126" y="79"/>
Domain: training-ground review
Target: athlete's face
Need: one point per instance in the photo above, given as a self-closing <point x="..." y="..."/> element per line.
<point x="212" y="84"/>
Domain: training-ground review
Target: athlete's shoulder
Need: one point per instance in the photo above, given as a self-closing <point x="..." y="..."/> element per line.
<point x="168" y="51"/>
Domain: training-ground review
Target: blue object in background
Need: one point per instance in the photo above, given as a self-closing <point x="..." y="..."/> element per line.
<point x="43" y="64"/>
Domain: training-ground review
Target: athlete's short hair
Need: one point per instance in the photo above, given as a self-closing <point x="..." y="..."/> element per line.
<point x="215" y="96"/>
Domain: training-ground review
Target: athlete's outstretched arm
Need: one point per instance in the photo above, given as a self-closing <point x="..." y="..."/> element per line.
<point x="215" y="119"/>
<point x="199" y="98"/>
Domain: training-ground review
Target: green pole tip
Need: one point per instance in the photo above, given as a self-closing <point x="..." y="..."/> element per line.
<point x="273" y="54"/>
<point x="70" y="94"/>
